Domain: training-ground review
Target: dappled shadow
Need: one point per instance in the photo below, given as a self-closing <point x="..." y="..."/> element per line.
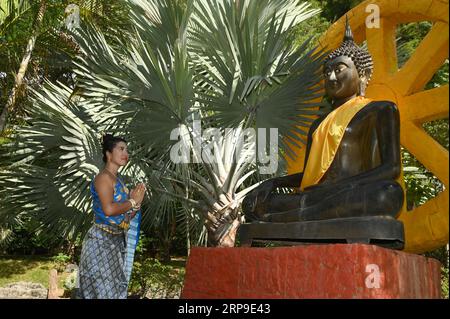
<point x="18" y="265"/>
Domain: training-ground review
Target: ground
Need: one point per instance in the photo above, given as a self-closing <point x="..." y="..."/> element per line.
<point x="27" y="268"/>
<point x="36" y="269"/>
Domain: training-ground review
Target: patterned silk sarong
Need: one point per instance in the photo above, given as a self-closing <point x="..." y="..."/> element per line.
<point x="102" y="265"/>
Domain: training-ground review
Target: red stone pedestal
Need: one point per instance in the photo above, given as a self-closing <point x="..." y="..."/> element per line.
<point x="315" y="271"/>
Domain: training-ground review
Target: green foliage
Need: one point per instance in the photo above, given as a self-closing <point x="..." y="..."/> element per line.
<point x="440" y="77"/>
<point x="409" y="36"/>
<point x="152" y="279"/>
<point x="438" y="129"/>
<point x="314" y="29"/>
<point x="61" y="260"/>
<point x="22" y="239"/>
<point x="444" y="282"/>
<point x="421" y="184"/>
<point x="334" y="9"/>
<point x="158" y="244"/>
<point x="54" y="48"/>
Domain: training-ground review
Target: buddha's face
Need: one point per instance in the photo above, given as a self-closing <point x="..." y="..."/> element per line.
<point x="341" y="78"/>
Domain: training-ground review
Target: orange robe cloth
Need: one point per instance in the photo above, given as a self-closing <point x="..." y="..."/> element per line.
<point x="326" y="140"/>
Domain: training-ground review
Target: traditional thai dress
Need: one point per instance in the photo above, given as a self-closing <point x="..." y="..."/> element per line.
<point x="108" y="250"/>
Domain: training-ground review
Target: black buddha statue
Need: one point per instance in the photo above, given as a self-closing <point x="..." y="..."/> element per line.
<point x="348" y="189"/>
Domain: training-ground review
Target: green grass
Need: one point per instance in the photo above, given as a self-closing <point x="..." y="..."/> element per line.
<point x="27" y="268"/>
<point x="37" y="268"/>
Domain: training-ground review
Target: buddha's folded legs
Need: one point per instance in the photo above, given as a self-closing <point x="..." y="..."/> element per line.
<point x="381" y="198"/>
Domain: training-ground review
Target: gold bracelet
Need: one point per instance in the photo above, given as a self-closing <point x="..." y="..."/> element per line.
<point x="133" y="203"/>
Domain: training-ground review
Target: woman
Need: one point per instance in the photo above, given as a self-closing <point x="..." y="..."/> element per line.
<point x="108" y="248"/>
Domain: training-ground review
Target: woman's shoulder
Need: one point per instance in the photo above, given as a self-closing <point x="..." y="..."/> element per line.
<point x="103" y="179"/>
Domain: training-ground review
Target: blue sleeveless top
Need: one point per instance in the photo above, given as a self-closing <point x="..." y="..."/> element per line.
<point x="120" y="196"/>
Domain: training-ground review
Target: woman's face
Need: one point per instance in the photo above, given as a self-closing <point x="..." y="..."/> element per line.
<point x="119" y="154"/>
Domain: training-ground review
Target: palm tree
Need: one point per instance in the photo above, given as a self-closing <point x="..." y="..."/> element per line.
<point x="25" y="60"/>
<point x="227" y="63"/>
<point x="48" y="44"/>
<point x="26" y="40"/>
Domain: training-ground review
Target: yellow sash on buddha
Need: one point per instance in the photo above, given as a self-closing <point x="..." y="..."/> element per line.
<point x="326" y="140"/>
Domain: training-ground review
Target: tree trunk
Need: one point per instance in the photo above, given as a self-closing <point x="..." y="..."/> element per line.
<point x="229" y="238"/>
<point x="188" y="236"/>
<point x="223" y="221"/>
<point x="224" y="233"/>
<point x="10" y="103"/>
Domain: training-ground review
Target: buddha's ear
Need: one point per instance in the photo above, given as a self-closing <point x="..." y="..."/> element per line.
<point x="362" y="85"/>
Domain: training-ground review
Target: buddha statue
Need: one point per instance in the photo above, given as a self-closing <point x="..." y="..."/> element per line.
<point x="349" y="189"/>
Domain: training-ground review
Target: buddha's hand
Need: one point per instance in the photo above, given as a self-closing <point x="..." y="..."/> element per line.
<point x="253" y="204"/>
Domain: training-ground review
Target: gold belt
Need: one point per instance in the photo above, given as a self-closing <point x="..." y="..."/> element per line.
<point x="106" y="229"/>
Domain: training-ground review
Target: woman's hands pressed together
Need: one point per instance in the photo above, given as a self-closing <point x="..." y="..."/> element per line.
<point x="138" y="193"/>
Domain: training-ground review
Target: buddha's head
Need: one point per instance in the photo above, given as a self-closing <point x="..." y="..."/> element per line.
<point x="347" y="70"/>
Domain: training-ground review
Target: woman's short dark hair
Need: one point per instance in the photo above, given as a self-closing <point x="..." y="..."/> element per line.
<point x="109" y="142"/>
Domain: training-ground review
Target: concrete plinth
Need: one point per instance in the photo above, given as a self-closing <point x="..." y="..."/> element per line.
<point x="313" y="271"/>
